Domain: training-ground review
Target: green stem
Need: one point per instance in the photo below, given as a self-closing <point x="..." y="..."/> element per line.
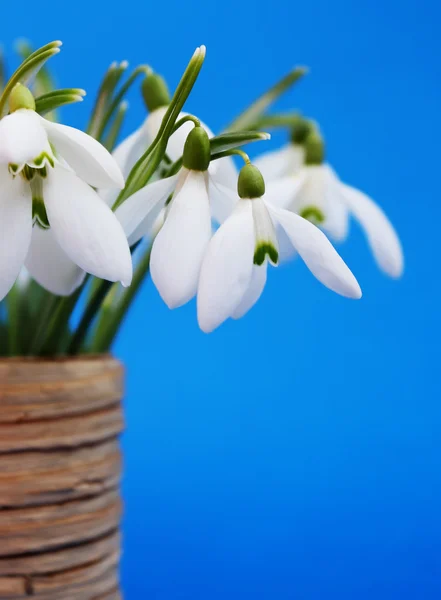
<point x="46" y="309"/>
<point x="88" y="317"/>
<point x="49" y="342"/>
<point x="186" y="119"/>
<point x="114" y="105"/>
<point x="115" y="129"/>
<point x="110" y="323"/>
<point x="14" y="308"/>
<point x="108" y="85"/>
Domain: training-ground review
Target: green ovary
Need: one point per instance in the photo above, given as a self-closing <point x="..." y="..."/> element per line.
<point x="313" y="214"/>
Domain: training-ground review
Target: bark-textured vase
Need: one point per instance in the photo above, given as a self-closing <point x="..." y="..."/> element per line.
<point x="60" y="468"/>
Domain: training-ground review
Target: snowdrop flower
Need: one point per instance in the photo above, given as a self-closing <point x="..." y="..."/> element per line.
<point x="74" y="230"/>
<point x="180" y="245"/>
<point x="234" y="269"/>
<point x="157" y="98"/>
<point x="316" y="193"/>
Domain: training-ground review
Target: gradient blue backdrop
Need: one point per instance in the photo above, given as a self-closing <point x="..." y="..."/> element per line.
<point x="295" y="454"/>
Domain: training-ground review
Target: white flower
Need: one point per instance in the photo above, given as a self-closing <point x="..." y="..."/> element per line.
<point x="234" y="269"/>
<point x="317" y="194"/>
<point x="54" y="191"/>
<point x="180" y="245"/>
<point x="310" y="187"/>
<point x="135" y="145"/>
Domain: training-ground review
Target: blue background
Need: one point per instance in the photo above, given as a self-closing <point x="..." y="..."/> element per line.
<point x="294" y="454"/>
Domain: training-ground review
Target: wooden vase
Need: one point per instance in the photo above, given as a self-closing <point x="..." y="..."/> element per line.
<point x="60" y="468"/>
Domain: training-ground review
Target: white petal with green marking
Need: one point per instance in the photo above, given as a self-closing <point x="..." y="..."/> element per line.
<point x="266" y="245"/>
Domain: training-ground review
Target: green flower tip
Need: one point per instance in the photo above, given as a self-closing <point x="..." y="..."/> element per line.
<point x="314" y="148"/>
<point x="155" y="92"/>
<point x="300" y="131"/>
<point x="313" y="214"/>
<point x="197" y="152"/>
<point x="264" y="249"/>
<point x="251" y="183"/>
<point x="21" y="97"/>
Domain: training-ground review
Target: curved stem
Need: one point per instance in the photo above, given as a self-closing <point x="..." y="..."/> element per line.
<point x="109" y="326"/>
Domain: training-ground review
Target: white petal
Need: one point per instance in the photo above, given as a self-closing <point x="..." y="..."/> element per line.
<point x="86" y="229"/>
<point x="139" y="212"/>
<point x="179" y="247"/>
<point x="227" y="268"/>
<point x="223" y="199"/>
<point x="224" y="172"/>
<point x="87" y="157"/>
<point x="126" y="156"/>
<point x="266" y="240"/>
<point x="254" y="291"/>
<point x="286" y="249"/>
<point x="337" y="216"/>
<point x="318" y="253"/>
<point x="16" y="227"/>
<point x="50" y="266"/>
<point x="22" y="137"/>
<point x="282" y="192"/>
<point x="130" y="150"/>
<point x="381" y="235"/>
<point x="280" y="163"/>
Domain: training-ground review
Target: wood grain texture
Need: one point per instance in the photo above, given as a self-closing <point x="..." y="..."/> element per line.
<point x="60" y="468"/>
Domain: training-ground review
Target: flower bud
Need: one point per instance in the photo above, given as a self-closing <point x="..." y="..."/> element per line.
<point x="21" y="97"/>
<point x="197" y="152"/>
<point x="251" y="183"/>
<point x="155" y="92"/>
<point x="314" y="149"/>
<point x="301" y="131"/>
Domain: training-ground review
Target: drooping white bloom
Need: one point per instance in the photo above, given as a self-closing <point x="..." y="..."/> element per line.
<point x="234" y="270"/>
<point x="314" y="191"/>
<point x="317" y="194"/>
<point x="179" y="247"/>
<point x="52" y="189"/>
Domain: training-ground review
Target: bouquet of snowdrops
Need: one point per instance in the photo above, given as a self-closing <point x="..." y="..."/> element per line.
<point x="85" y="218"/>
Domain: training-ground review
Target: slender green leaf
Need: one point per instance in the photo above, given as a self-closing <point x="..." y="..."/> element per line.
<point x="249" y="117"/>
<point x="53" y="100"/>
<point x="28" y="69"/>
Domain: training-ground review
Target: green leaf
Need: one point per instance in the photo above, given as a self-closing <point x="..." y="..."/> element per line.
<point x="105" y="93"/>
<point x="227" y="141"/>
<point x="115" y="127"/>
<point x="28" y="69"/>
<point x="249" y="117"/>
<point x="149" y="162"/>
<point x="53" y="100"/>
<point x="44" y="82"/>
